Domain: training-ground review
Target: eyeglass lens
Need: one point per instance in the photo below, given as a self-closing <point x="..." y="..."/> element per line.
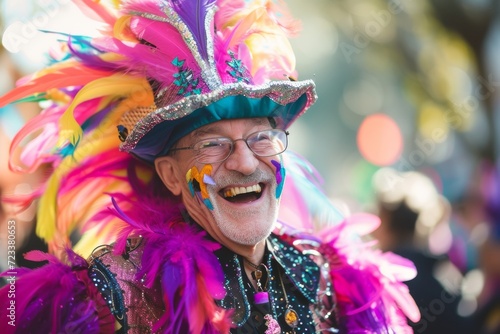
<point x="262" y="143"/>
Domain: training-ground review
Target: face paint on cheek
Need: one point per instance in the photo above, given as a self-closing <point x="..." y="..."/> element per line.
<point x="208" y="180"/>
<point x="197" y="182"/>
<point x="190" y="179"/>
<point x="280" y="177"/>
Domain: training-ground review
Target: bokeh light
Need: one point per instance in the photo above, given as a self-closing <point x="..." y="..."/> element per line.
<point x="379" y="140"/>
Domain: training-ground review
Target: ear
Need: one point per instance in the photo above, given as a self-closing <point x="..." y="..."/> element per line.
<point x="167" y="170"/>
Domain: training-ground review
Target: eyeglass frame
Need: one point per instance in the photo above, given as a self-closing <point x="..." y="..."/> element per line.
<point x="233" y="141"/>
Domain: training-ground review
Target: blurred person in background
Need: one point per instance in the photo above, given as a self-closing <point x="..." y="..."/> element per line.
<point x="414" y="224"/>
<point x="488" y="246"/>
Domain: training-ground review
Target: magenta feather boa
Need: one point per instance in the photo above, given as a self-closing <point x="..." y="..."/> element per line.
<point x="182" y="257"/>
<point x="56" y="298"/>
<point x="371" y="297"/>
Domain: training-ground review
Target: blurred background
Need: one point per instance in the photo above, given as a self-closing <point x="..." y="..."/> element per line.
<point x="406" y="125"/>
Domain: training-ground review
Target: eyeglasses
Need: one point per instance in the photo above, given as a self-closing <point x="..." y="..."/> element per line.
<point x="262" y="143"/>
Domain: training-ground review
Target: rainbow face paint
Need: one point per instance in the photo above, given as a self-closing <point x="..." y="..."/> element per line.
<point x="197" y="182"/>
<point x="280" y="177"/>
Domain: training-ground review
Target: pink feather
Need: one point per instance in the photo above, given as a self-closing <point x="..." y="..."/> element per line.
<point x="140" y="58"/>
<point x="231" y="11"/>
<point x="96" y="10"/>
<point x="41" y="149"/>
<point x="163" y="36"/>
<point x="60" y="78"/>
<point x="143" y="6"/>
<point x="48" y="121"/>
<point x="227" y="10"/>
<point x="368" y="283"/>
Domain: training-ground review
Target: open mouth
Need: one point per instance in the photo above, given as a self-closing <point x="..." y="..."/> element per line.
<point x="242" y="194"/>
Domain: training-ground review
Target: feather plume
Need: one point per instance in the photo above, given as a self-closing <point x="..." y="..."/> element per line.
<point x="140" y="7"/>
<point x="232" y="11"/>
<point x="259" y="38"/>
<point x="46" y="226"/>
<point x="228" y="11"/>
<point x="144" y="59"/>
<point x="165" y="39"/>
<point x="22" y="201"/>
<point x="38" y="150"/>
<point x="162" y="35"/>
<point x="304" y="205"/>
<point x="184" y="258"/>
<point x="47" y="210"/>
<point x="86" y="52"/>
<point x="63" y="77"/>
<point x="194" y="14"/>
<point x="367" y="282"/>
<point x="115" y="85"/>
<point x="174" y="249"/>
<point x="96" y="10"/>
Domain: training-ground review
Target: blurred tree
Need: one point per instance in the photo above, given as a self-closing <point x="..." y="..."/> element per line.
<point x="473" y="21"/>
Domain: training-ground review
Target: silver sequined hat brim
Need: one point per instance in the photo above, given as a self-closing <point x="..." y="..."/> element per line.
<point x="282" y="92"/>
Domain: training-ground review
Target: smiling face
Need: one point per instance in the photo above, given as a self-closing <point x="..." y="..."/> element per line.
<point x="241" y="190"/>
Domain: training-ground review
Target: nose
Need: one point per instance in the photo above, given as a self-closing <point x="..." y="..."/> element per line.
<point x="242" y="159"/>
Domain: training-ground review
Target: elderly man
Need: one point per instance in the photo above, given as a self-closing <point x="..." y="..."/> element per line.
<point x="186" y="207"/>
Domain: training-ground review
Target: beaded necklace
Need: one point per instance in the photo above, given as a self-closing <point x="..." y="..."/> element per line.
<point x="260" y="274"/>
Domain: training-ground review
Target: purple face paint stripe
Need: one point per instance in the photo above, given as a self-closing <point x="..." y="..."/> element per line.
<point x="279" y="177"/>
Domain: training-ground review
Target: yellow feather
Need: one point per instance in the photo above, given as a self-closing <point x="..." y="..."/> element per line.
<point x="46" y="216"/>
<point x="94" y="237"/>
<point x="54" y="226"/>
<point x="115" y="86"/>
<point x="112" y="57"/>
<point x="121" y="29"/>
<point x="56" y="67"/>
<point x="47" y="220"/>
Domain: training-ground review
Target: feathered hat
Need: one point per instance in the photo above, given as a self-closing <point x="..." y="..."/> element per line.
<point x="181" y="65"/>
<point x="206" y="61"/>
<point x="159" y="70"/>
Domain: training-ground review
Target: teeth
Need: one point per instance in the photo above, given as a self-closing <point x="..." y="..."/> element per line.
<point x="242" y="190"/>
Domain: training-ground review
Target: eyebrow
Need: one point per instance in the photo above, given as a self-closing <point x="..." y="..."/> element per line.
<point x="209" y="129"/>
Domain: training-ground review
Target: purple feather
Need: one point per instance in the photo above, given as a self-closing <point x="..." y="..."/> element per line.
<point x="194" y="14"/>
<point x="180" y="256"/>
<point x="88" y="54"/>
<point x="177" y="254"/>
<point x="57" y="298"/>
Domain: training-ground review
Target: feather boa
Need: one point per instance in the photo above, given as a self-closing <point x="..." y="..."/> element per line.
<point x="56" y="298"/>
<point x="368" y="283"/>
<point x="179" y="255"/>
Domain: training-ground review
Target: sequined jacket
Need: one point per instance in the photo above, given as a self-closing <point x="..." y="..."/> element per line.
<point x="295" y="282"/>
